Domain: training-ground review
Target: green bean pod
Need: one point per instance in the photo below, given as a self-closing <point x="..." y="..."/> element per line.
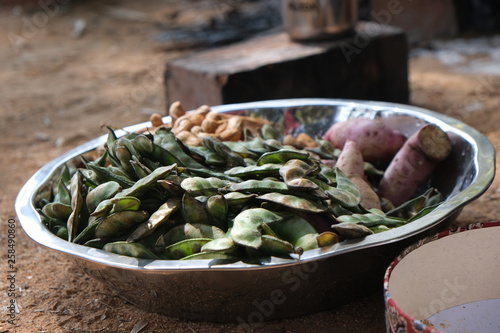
<point x="184" y="248"/>
<point x="145" y="184"/>
<point x="116" y="224"/>
<point x="294" y="202"/>
<point x="125" y="203"/>
<point x="351" y="230"/>
<point x="143" y="145"/>
<point x="101" y="192"/>
<point x="282" y="156"/>
<point x="218" y="208"/>
<point x="57" y="210"/>
<point x="193" y="211"/>
<point x="247" y="225"/>
<point x="265" y="170"/>
<point x="196" y="186"/>
<point x="77" y="203"/>
<point x="188" y="230"/>
<point x="156" y="219"/>
<point x="135" y="250"/>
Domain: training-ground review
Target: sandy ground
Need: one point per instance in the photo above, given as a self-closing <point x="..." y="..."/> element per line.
<point x="58" y="88"/>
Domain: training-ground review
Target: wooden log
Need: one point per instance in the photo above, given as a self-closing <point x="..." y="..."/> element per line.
<point x="371" y="63"/>
<point x="423" y="20"/>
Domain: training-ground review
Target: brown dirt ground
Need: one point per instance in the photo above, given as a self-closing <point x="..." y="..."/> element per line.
<point x="55" y="92"/>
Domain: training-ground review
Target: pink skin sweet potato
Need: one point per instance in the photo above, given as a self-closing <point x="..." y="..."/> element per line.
<point x="350" y="160"/>
<point x="351" y="163"/>
<point x="414" y="163"/>
<point x="376" y="140"/>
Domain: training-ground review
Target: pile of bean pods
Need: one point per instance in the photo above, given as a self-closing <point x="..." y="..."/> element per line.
<point x="150" y="196"/>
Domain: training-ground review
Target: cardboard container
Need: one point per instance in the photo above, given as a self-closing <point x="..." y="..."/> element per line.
<point x="447" y="283"/>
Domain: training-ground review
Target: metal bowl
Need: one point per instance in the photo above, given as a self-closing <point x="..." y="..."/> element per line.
<point x="313" y="20"/>
<point x="279" y="288"/>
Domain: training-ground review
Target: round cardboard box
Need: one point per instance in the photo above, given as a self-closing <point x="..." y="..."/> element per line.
<point x="447" y="283"/>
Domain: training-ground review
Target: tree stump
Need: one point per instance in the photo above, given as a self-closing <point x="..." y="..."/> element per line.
<point x="369" y="63"/>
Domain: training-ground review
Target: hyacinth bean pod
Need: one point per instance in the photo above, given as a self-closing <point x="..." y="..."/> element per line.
<point x="218" y="209"/>
<point x="125" y="203"/>
<point x="196" y="230"/>
<point x="117" y="223"/>
<point x="232" y="159"/>
<point x="246" y="226"/>
<point x="293" y="173"/>
<point x="130" y="249"/>
<point x="76" y="205"/>
<point x="104" y="174"/>
<point x="272" y="245"/>
<point x="281" y="156"/>
<point x="102" y="192"/>
<point x="154" y="197"/>
<point x="184" y="248"/>
<point x="294" y="202"/>
<point x="62" y="194"/>
<point x="224" y="244"/>
<point x="253" y="171"/>
<point x="143" y="145"/>
<point x="156" y="219"/>
<point x="57" y="210"/>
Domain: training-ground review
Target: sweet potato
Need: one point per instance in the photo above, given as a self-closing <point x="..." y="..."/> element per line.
<point x="414" y="163"/>
<point x="351" y="163"/>
<point x="350" y="160"/>
<point x="376" y="140"/>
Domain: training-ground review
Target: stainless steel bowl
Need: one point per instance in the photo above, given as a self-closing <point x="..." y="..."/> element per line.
<point x="279" y="288"/>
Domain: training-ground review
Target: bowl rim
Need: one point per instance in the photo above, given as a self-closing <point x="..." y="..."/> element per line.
<point x="391" y="307"/>
<point x="484" y="159"/>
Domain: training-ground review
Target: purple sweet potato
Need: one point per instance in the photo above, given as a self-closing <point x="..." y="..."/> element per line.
<point x="414" y="163"/>
<point x="351" y="163"/>
<point x="376" y="140"/>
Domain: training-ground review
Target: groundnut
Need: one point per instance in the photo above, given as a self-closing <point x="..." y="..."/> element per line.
<point x="204" y="110"/>
<point x="156" y="120"/>
<point x="305" y="141"/>
<point x="189" y="138"/>
<point x="221" y="128"/>
<point x="176" y="111"/>
<point x="182" y="124"/>
<point x="289" y="140"/>
<point x="253" y="124"/>
<point x="196" y="129"/>
<point x="233" y="131"/>
<point x="211" y="122"/>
